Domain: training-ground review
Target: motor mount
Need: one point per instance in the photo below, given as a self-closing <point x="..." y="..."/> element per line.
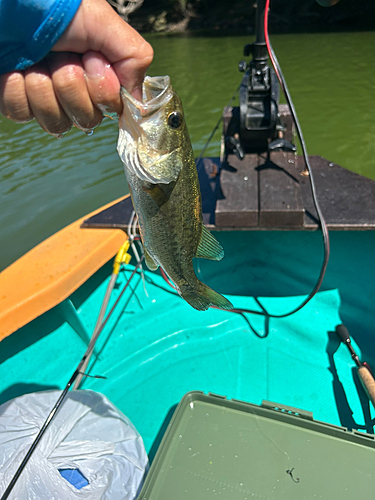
<point x="256" y="125"/>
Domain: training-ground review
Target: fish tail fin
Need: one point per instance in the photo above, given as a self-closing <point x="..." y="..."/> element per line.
<point x="201" y="297"/>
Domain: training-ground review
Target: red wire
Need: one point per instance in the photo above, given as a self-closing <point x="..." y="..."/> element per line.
<point x="266" y="10"/>
<point x="166" y="278"/>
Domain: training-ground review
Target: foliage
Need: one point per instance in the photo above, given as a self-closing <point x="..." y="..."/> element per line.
<point x="125" y="7"/>
<point x="285" y="15"/>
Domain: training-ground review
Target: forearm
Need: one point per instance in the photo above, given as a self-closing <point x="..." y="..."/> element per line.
<point x="95" y="53"/>
<point x="29" y="30"/>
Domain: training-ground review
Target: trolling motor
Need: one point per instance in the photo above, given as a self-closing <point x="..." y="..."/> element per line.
<point x="256" y="126"/>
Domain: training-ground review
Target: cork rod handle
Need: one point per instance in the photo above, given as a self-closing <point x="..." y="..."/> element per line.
<point x="368" y="383"/>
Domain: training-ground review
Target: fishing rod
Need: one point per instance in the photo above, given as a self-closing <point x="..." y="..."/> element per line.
<point x="363" y="370"/>
<point x="62" y="397"/>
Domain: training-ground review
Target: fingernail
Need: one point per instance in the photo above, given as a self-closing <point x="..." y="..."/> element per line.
<point x="107" y="111"/>
<point x="94" y="67"/>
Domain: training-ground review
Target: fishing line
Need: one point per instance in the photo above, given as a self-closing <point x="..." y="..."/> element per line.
<point x="215" y="128"/>
<point x="61" y="399"/>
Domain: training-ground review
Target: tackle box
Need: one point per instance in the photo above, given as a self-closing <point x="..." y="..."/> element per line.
<point x="216" y="448"/>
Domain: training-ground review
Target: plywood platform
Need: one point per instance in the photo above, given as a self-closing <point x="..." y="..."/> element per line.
<point x="270" y="193"/>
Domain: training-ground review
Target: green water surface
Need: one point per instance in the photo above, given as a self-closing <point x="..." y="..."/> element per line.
<point x="47" y="183"/>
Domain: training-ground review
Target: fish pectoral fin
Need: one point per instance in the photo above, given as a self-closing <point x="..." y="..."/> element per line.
<point x="159" y="193"/>
<point x="209" y="247"/>
<point x="150" y="263"/>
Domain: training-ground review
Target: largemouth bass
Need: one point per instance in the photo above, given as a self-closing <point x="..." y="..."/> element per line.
<point x="155" y="148"/>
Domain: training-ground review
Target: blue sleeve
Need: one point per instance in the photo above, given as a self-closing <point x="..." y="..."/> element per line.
<point x="30" y="28"/>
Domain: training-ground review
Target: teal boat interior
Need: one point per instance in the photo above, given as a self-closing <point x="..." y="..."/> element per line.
<point x="155" y="348"/>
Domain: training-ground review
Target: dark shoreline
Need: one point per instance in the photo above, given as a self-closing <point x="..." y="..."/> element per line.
<point x="285" y="17"/>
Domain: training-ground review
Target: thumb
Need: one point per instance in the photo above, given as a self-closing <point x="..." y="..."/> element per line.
<point x="97" y="27"/>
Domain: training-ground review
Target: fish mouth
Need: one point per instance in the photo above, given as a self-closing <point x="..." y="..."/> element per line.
<point x="156" y="92"/>
<point x="133" y="139"/>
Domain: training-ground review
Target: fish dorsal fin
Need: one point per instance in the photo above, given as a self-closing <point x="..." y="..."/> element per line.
<point x="209" y="247"/>
<point x="150" y="263"/>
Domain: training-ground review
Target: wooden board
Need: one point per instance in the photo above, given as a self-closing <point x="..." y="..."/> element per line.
<point x="280" y="198"/>
<point x="238" y="206"/>
<point x="347" y="199"/>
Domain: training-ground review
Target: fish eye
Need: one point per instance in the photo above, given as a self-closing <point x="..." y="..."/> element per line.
<point x="174" y="119"/>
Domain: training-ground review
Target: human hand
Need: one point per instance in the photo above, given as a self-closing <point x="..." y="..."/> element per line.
<point x="81" y="78"/>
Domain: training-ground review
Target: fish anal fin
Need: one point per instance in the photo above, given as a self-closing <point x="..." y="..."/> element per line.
<point x="150" y="263"/>
<point x="209" y="247"/>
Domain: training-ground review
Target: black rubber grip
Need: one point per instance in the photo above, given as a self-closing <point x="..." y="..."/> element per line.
<point x="343" y="333"/>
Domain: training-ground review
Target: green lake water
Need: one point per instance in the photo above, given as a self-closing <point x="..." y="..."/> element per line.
<point x="47" y="183"/>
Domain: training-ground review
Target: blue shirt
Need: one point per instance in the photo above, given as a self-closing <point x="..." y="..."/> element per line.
<point x="30" y="28"/>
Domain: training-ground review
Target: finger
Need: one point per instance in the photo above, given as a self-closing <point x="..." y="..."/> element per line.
<point x="129" y="54"/>
<point x="69" y="83"/>
<point x="102" y="83"/>
<point x="43" y="101"/>
<point x="131" y="69"/>
<point x="13" y="98"/>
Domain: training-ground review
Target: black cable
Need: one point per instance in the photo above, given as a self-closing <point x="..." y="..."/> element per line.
<point x="322" y="222"/>
<point x="321" y="219"/>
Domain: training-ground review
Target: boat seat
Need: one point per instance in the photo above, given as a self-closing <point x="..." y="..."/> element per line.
<point x="53" y="270"/>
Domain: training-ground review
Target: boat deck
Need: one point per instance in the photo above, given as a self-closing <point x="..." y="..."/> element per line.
<point x="270" y="193"/>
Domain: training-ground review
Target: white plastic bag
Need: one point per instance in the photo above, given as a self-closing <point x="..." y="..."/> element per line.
<point x="88" y="433"/>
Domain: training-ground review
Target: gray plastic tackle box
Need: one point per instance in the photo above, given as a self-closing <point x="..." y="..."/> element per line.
<point x="216" y="448"/>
